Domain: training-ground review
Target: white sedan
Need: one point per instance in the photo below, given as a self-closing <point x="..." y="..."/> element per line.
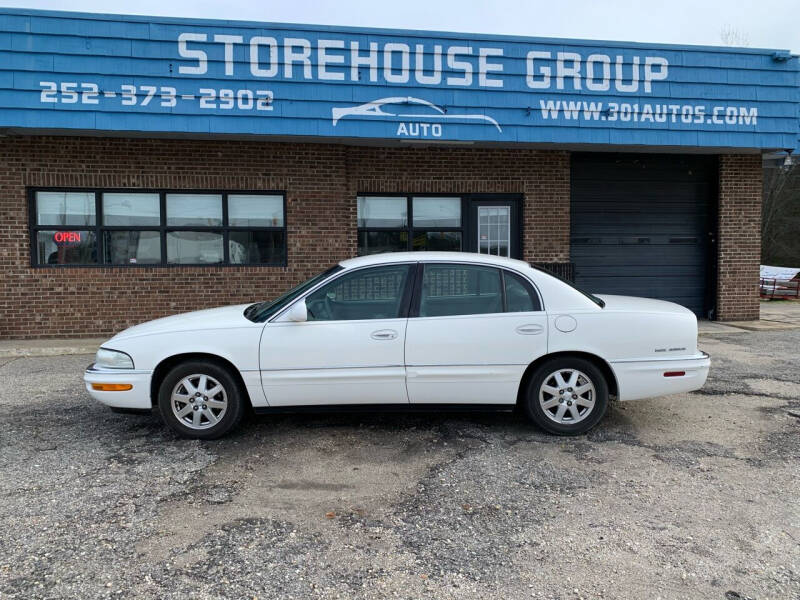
<point x="422" y="330"/>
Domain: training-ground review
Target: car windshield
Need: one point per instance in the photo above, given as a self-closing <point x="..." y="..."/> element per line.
<point x="600" y="302"/>
<point x="262" y="311"/>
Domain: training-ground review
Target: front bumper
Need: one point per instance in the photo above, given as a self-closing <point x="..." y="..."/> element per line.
<point x="646" y="379"/>
<point x="136" y="397"/>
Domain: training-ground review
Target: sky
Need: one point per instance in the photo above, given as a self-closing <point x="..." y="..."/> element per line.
<point x="757" y="24"/>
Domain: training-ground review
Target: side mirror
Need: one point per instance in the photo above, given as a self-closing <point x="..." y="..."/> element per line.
<point x="298" y="313"/>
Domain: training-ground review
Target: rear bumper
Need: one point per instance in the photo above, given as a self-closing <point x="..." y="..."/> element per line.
<point x="136" y="397"/>
<point x="646" y="379"/>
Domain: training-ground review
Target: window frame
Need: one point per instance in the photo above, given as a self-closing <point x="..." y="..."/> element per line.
<point x="409" y="229"/>
<point x="416" y="299"/>
<point x="162" y="228"/>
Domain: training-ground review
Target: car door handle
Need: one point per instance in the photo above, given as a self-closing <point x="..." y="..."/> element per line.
<point x="530" y="329"/>
<point x="384" y="334"/>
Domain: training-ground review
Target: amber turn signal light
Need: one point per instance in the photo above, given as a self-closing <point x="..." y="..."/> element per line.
<point x="112" y="387"/>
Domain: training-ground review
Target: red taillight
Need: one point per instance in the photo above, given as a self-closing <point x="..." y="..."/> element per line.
<point x="674" y="373"/>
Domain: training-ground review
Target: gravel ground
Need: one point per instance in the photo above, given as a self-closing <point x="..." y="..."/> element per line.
<point x="692" y="496"/>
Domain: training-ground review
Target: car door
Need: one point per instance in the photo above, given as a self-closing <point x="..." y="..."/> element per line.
<point x="471" y="334"/>
<point x="350" y="350"/>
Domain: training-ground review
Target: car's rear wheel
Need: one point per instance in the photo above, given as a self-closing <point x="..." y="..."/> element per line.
<point x="566" y="396"/>
<point x="200" y="400"/>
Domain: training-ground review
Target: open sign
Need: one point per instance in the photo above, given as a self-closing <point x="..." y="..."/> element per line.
<point x="67" y="238"/>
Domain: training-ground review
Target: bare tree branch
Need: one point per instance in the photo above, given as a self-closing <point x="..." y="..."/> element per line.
<point x="731" y="36"/>
<point x="780" y="224"/>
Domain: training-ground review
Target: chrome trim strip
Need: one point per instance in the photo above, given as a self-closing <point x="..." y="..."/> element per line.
<point x="704" y="356"/>
<point x="334" y="368"/>
<point x="399" y="366"/>
<point x="473" y="365"/>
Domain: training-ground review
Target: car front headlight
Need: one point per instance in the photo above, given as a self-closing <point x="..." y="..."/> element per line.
<point x="113" y="359"/>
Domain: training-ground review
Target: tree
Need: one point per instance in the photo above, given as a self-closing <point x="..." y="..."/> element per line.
<point x="780" y="222"/>
<point x="780" y="211"/>
<point x="731" y="36"/>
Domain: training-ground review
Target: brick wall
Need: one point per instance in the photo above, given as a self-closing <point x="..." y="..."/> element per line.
<point x="320" y="181"/>
<point x="542" y="178"/>
<point x="739" y="239"/>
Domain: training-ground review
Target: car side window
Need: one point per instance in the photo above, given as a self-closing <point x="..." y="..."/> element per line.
<point x="373" y="293"/>
<point x="453" y="289"/>
<point x="520" y="296"/>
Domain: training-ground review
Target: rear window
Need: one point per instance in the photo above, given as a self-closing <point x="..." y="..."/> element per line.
<point x="520" y="296"/>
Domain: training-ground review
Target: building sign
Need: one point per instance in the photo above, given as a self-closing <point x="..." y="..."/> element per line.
<point x="67" y="238"/>
<point x="96" y="72"/>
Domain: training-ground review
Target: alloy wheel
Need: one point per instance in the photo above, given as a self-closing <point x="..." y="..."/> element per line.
<point x="199" y="401"/>
<point x="567" y="396"/>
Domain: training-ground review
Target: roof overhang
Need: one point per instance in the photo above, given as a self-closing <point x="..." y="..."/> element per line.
<point x="114" y="75"/>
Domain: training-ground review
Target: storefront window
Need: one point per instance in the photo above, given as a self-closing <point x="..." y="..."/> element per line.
<point x="383" y="223"/>
<point x="65" y="208"/>
<point x="376" y="242"/>
<point x="132" y="210"/>
<point x="268" y="247"/>
<point x="437" y="212"/>
<point x="442" y="241"/>
<point x="194" y="247"/>
<point x="201" y="210"/>
<point x="132" y="247"/>
<point x="73" y="247"/>
<point x="246" y="210"/>
<point x="377" y="211"/>
<point x="157" y="228"/>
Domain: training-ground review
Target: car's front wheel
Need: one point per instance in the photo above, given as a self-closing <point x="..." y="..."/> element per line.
<point x="200" y="400"/>
<point x="566" y="396"/>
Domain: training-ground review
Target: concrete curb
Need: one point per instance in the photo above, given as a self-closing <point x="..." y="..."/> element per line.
<point x="763" y="325"/>
<point x="715" y="328"/>
<point x="26" y="348"/>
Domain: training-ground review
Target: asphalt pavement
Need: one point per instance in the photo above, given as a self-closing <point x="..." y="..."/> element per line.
<point x="689" y="496"/>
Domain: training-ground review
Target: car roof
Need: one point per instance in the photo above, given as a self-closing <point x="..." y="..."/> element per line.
<point x="423" y="256"/>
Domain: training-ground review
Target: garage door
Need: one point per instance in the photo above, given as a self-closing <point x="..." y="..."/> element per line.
<point x="641" y="226"/>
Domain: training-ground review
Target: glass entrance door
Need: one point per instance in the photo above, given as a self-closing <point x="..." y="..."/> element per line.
<point x="494" y="227"/>
<point x="494" y="230"/>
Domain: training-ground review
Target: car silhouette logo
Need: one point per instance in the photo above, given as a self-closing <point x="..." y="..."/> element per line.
<point x="410" y="108"/>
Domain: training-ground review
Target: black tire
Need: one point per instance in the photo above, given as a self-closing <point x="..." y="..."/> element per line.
<point x="205" y="430"/>
<point x="539" y="415"/>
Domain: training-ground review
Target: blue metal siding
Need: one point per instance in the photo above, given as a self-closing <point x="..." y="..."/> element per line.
<point x="709" y="97"/>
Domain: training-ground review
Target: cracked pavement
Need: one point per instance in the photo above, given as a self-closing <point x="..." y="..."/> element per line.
<point x="689" y="496"/>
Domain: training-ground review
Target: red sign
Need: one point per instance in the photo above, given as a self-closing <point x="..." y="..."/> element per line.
<point x="65" y="238"/>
